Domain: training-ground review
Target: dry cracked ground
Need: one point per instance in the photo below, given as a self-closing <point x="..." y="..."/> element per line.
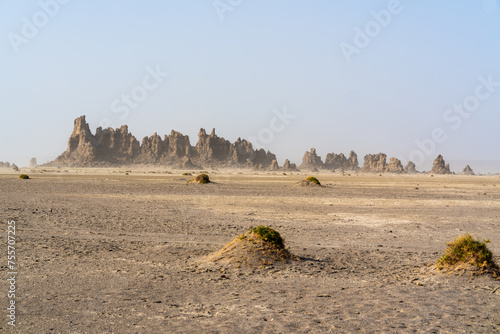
<point x="100" y="251"/>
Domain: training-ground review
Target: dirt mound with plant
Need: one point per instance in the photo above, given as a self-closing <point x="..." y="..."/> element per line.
<point x="465" y="254"/>
<point x="258" y="247"/>
<point x="310" y="181"/>
<point x="202" y="179"/>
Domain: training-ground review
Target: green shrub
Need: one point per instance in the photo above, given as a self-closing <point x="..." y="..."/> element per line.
<point x="465" y="249"/>
<point x="269" y="235"/>
<point x="313" y="180"/>
<point x="24" y="176"/>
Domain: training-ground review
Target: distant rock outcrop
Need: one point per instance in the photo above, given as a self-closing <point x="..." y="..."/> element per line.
<point x="118" y="147"/>
<point x="115" y="147"/>
<point x="440" y="166"/>
<point x="274" y="165"/>
<point x="289" y="167"/>
<point x="395" y="166"/>
<point x="375" y="163"/>
<point x="336" y="161"/>
<point x="8" y="165"/>
<point x="33" y="163"/>
<point x="410" y="168"/>
<point x="311" y="160"/>
<point x="467" y="171"/>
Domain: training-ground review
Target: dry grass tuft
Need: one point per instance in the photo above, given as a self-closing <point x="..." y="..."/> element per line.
<point x="467" y="254"/>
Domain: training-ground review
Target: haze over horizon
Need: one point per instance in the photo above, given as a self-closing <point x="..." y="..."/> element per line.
<point x="409" y="79"/>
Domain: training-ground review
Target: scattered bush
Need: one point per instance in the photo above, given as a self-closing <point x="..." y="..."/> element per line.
<point x="313" y="180"/>
<point x="186" y="174"/>
<point x="202" y="178"/>
<point x="269" y="235"/>
<point x="24" y="176"/>
<point x="466" y="250"/>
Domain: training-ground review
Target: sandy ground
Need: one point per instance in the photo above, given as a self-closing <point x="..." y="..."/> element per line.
<point x="99" y="251"/>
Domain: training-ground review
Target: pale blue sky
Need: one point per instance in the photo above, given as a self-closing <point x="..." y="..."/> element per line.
<point x="232" y="74"/>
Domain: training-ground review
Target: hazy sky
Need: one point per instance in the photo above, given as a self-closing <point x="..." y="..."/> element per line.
<point x="411" y="79"/>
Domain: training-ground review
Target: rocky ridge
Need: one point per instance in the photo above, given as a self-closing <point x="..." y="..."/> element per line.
<point x="109" y="147"/>
<point x="339" y="161"/>
<point x="115" y="147"/>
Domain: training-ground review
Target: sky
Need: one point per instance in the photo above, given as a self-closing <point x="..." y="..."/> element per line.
<point x="411" y="79"/>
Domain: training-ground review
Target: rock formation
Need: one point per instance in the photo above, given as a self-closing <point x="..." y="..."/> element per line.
<point x="289" y="167"/>
<point x="440" y="166"/>
<point x="33" y="163"/>
<point x="110" y="147"/>
<point x="211" y="148"/>
<point x="467" y="171"/>
<point x="353" y="161"/>
<point x="14" y="167"/>
<point x="274" y="165"/>
<point x="336" y="161"/>
<point x="311" y="160"/>
<point x="115" y="147"/>
<point x="410" y="168"/>
<point x="375" y="163"/>
<point x="395" y="166"/>
<point x="4" y="164"/>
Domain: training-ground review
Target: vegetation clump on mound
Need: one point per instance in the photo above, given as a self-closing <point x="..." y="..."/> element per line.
<point x="466" y="253"/>
<point x="313" y="180"/>
<point x="269" y="235"/>
<point x="24" y="177"/>
<point x="259" y="246"/>
<point x="310" y="181"/>
<point x="202" y="178"/>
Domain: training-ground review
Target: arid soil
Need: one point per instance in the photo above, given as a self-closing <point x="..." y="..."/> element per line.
<point x="99" y="251"/>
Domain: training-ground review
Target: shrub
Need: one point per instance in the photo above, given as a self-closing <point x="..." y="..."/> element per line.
<point x="269" y="235"/>
<point x="186" y="174"/>
<point x="202" y="178"/>
<point x="313" y="180"/>
<point x="24" y="176"/>
<point x="466" y="250"/>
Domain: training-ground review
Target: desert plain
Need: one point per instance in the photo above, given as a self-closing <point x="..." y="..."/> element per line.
<point x="125" y="250"/>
